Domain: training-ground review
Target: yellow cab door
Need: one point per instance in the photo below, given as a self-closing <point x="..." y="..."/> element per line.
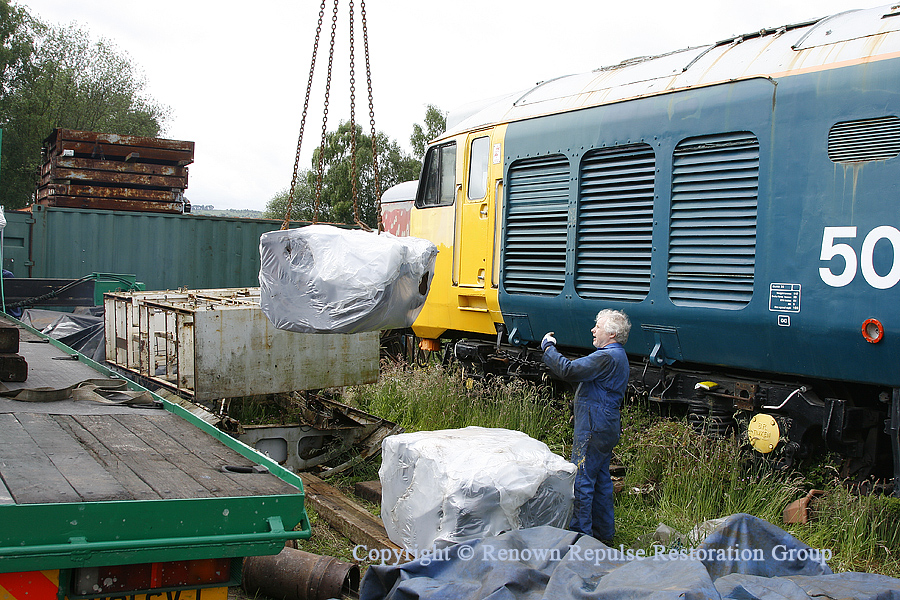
<point x="474" y="232"/>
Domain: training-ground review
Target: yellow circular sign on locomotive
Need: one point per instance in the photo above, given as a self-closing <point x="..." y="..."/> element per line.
<point x="763" y="433"/>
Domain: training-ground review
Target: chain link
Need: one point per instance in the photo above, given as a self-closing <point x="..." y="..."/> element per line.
<point x="353" y="133"/>
<point x="321" y="170"/>
<point x="312" y="68"/>
<point x="362" y="8"/>
<point x="354" y="193"/>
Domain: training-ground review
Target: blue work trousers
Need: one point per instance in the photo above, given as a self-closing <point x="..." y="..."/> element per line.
<point x="597" y="431"/>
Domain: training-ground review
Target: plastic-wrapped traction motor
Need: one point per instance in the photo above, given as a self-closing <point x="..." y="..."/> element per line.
<point x="454" y="485"/>
<point x="324" y="279"/>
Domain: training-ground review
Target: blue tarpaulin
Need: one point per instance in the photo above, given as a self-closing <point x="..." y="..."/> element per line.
<point x="743" y="559"/>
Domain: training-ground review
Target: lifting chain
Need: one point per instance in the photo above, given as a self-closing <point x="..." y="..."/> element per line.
<point x="353" y="132"/>
<point x="321" y="169"/>
<point x="353" y="123"/>
<point x="362" y="8"/>
<point x="312" y="68"/>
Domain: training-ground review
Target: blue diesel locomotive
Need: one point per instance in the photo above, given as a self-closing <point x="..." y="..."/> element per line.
<point x="739" y="201"/>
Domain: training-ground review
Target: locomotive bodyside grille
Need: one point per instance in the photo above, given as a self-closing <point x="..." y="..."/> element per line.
<point x="864" y="140"/>
<point x="615" y="223"/>
<point x="712" y="231"/>
<point x="534" y="260"/>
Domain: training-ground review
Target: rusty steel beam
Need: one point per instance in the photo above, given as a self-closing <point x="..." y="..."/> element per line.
<point x="71" y="162"/>
<point x="73" y="135"/>
<point x="112" y="204"/>
<point x="99" y="192"/>
<point x="106" y="177"/>
<point x="106" y="151"/>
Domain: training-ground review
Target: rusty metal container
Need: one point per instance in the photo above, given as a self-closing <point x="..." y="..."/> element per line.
<point x="297" y="575"/>
<point x="213" y="344"/>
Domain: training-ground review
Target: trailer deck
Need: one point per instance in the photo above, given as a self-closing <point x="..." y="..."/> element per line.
<point x="83" y="451"/>
<point x="92" y="482"/>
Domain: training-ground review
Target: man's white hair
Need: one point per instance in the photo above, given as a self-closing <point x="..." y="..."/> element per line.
<point x="617" y="323"/>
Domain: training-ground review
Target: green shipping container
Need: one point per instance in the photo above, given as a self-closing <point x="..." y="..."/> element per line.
<point x="164" y="251"/>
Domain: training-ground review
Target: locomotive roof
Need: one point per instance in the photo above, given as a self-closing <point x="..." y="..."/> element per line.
<point x="850" y="37"/>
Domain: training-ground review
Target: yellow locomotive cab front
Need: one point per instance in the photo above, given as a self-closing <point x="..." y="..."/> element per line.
<point x="458" y="208"/>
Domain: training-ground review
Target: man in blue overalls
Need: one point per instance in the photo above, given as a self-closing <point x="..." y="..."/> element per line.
<point x="602" y="379"/>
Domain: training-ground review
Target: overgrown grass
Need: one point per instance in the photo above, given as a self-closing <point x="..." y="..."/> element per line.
<point x="673" y="475"/>
<point x="326" y="541"/>
<point x="269" y="409"/>
<point x="861" y="530"/>
<point x="432" y="398"/>
<point x="680" y="478"/>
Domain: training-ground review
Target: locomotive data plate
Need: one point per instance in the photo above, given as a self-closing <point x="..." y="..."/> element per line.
<point x="784" y="297"/>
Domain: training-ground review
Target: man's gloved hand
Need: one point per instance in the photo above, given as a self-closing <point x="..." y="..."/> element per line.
<point x="548" y="341"/>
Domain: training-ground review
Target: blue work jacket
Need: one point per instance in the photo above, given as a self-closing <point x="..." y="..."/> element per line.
<point x="602" y="376"/>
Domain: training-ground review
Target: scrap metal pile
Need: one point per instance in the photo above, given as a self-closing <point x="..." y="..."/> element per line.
<point x="85" y="169"/>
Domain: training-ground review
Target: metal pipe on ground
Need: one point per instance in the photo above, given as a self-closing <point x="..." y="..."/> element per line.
<point x="297" y="575"/>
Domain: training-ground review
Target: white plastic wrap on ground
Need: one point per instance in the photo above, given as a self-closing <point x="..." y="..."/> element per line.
<point x="324" y="279"/>
<point x="454" y="485"/>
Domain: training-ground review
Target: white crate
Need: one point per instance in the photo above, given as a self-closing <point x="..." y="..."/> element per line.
<point x="218" y="343"/>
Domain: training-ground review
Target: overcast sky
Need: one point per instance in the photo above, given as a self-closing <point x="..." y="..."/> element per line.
<point x="234" y="73"/>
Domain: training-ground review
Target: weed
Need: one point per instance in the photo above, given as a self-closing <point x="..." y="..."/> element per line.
<point x="860" y="529"/>
<point x="677" y="477"/>
<point x="434" y="398"/>
<point x="267" y="409"/>
<point x="673" y="475"/>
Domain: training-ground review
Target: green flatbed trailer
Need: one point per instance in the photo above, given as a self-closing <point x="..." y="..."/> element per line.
<point x="111" y="501"/>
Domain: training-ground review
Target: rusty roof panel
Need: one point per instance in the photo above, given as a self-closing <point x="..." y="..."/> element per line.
<point x="856" y="36"/>
<point x="61" y="135"/>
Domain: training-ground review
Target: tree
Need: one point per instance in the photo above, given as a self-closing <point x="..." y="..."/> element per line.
<point x="302" y="208"/>
<point x="336" y="198"/>
<point x="17" y="33"/>
<point x="65" y="80"/>
<point x="435" y="125"/>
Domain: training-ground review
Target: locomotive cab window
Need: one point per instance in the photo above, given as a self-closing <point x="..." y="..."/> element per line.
<point x="439" y="177"/>
<point x="478" y="168"/>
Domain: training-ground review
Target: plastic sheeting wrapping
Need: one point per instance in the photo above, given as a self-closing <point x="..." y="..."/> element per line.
<point x="324" y="279"/>
<point x="745" y="558"/>
<point x="82" y="330"/>
<point x="449" y="486"/>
